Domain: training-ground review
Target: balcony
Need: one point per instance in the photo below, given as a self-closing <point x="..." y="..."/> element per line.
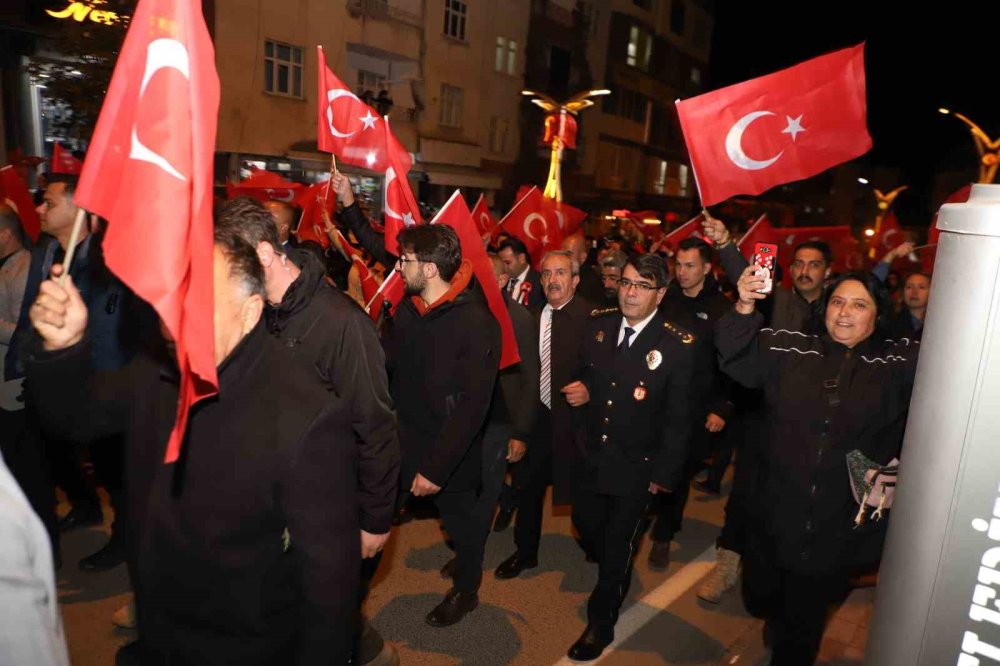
<point x="382" y="10"/>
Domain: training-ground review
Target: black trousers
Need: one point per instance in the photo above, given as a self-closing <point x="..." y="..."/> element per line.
<point x="532" y="478"/>
<point x="795" y="605"/>
<point x="669" y="507"/>
<point x="610" y="528"/>
<point x="23" y="449"/>
<point x="495" y="441"/>
<point x="460" y="518"/>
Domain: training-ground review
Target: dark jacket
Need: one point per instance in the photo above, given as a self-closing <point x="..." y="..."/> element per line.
<point x="213" y="582"/>
<point x="566" y="423"/>
<point x="443" y="363"/>
<point x="329" y="335"/>
<point x="638" y="416"/>
<point x="515" y="399"/>
<point x="591" y="287"/>
<point x="116" y="316"/>
<point x="806" y="507"/>
<point x="370" y="239"/>
<point x="530" y="293"/>
<point x="699" y="314"/>
<point x="904" y="326"/>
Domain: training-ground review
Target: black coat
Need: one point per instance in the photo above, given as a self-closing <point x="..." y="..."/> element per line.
<point x="638" y="416"/>
<point x="531" y="296"/>
<point x="515" y="399"/>
<point x="591" y="287"/>
<point x="806" y="508"/>
<point x="699" y="314"/>
<point x="213" y="582"/>
<point x="443" y="364"/>
<point x="329" y="335"/>
<point x="902" y="327"/>
<point x="564" y="434"/>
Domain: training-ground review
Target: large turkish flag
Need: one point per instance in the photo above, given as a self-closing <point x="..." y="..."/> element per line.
<point x="793" y="124"/>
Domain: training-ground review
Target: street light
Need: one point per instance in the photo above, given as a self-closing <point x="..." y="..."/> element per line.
<point x="560" y="129"/>
<point x="989" y="150"/>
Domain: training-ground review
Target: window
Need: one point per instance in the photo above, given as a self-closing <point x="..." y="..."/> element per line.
<point x="677" y="11"/>
<point x="511" y="57"/>
<point x="640" y="48"/>
<point x="454" y="19"/>
<point x="659" y="176"/>
<point x="696" y="75"/>
<point x="699" y="32"/>
<point x="643" y="4"/>
<point x="501" y="54"/>
<point x="451" y="106"/>
<point x="370" y="81"/>
<point x="498" y="134"/>
<point x="682" y="179"/>
<point x="282" y="69"/>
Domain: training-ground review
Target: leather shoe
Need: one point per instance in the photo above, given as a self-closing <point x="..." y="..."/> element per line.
<point x="448" y="570"/>
<point x="513" y="566"/>
<point x="82" y="516"/>
<point x="456" y="605"/>
<point x="591" y="644"/>
<point x="659" y="555"/>
<point x="401" y="516"/>
<point x="706" y="487"/>
<point x="106" y="558"/>
<point x="503" y="519"/>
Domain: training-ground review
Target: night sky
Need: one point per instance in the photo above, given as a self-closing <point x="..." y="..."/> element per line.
<point x="945" y="54"/>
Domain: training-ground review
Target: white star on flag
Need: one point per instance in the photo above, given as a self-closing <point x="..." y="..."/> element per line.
<point x="794" y="126"/>
<point x="408" y="219"/>
<point x="369" y="120"/>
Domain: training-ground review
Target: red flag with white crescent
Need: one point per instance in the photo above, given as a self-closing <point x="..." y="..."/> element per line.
<point x="532" y="221"/>
<point x="64" y="162"/>
<point x="149" y="172"/>
<point x="265" y="186"/>
<point x="14" y="192"/>
<point x="481" y="215"/>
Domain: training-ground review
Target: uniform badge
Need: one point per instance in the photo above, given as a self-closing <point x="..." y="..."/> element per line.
<point x="639" y="393"/>
<point x="600" y="336"/>
<point x="653" y="360"/>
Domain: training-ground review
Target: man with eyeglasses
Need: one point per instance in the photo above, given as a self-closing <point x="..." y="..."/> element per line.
<point x="561" y="324"/>
<point x="636" y="369"/>
<point x="443" y="356"/>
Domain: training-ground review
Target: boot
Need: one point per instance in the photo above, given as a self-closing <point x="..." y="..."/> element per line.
<point x="722" y="578"/>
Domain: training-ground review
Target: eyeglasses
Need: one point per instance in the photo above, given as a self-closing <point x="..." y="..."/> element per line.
<point x="402" y="261"/>
<point x="643" y="287"/>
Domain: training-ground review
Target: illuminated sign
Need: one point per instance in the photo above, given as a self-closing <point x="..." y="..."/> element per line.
<point x="80" y="11"/>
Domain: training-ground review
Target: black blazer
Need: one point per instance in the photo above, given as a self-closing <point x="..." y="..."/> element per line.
<point x="530" y="295"/>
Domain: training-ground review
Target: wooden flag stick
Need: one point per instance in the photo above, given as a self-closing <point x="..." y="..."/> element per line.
<point x="924" y="247"/>
<point x="81" y="214"/>
<point x="368" y="306"/>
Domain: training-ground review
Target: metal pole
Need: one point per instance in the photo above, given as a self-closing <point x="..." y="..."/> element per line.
<point x="940" y="578"/>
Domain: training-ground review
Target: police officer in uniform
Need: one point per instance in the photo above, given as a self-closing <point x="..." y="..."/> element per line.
<point x="636" y="375"/>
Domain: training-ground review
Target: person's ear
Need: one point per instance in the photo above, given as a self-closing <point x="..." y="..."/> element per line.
<point x="250" y="312"/>
<point x="266" y="254"/>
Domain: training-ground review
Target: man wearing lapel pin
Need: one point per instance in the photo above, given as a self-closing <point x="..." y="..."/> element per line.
<point x="637" y="369"/>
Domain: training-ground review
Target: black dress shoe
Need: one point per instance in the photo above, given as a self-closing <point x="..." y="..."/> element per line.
<point x="706" y="487"/>
<point x="591" y="644"/>
<point x="513" y="566"/>
<point x="503" y="519"/>
<point x="448" y="570"/>
<point x="82" y="516"/>
<point x="456" y="605"/>
<point x="659" y="555"/>
<point x="107" y="558"/>
<point x="402" y="515"/>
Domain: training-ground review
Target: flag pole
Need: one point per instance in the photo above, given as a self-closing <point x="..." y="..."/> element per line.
<point x="74" y="237"/>
<point x="333" y="171"/>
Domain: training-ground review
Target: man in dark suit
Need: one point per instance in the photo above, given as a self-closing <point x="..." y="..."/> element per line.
<point x="285" y="221"/>
<point x="636" y="373"/>
<point x="524" y="285"/>
<point x="591" y="287"/>
<point x="560" y="324"/>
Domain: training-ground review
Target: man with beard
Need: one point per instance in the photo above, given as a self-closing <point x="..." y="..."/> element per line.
<point x="612" y="264"/>
<point x="443" y="355"/>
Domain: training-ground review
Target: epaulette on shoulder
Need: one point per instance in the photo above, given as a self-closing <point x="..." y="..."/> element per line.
<point x="684" y="335"/>
<point x="597" y="313"/>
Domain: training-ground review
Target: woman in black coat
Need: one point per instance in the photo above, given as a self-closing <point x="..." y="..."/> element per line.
<point x="846" y="388"/>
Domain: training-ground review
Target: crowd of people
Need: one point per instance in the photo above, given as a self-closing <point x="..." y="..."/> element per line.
<point x="638" y="371"/>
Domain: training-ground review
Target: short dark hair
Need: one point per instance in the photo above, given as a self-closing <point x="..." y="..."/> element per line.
<point x="876" y="289"/>
<point x="651" y="267"/>
<point x="912" y="273"/>
<point x="250" y="220"/>
<point x="818" y="245"/>
<point x="242" y="257"/>
<point x="67" y="179"/>
<point x="515" y="245"/>
<point x="434" y="244"/>
<point x="9" y="220"/>
<point x="692" y="243"/>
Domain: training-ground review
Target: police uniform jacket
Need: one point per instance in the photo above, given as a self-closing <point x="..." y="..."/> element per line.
<point x="638" y="417"/>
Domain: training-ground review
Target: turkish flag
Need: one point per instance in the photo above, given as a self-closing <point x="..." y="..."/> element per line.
<point x="567" y="217"/>
<point x="690" y="229"/>
<point x="369" y="285"/>
<point x="531" y="220"/>
<point x="456" y="215"/>
<point x="313" y="200"/>
<point x="149" y="172"/>
<point x="788" y="238"/>
<point x="928" y="254"/>
<point x="265" y="186"/>
<point x="760" y="232"/>
<point x="391" y="290"/>
<point x="64" y="162"/>
<point x="348" y="127"/>
<point x="15" y="194"/>
<point x="786" y="126"/>
<point x="481" y="215"/>
<point x="401" y="209"/>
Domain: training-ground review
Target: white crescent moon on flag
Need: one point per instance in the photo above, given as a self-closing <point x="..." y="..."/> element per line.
<point x="484" y="220"/>
<point x="160" y="53"/>
<point x="331" y="96"/>
<point x="734" y="144"/>
<point x="390" y="175"/>
<point x="527" y="224"/>
<point x="273" y="194"/>
<point x="561" y="219"/>
<point x="885" y="237"/>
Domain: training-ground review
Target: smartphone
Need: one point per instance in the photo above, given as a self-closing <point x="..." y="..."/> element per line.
<point x="765" y="255"/>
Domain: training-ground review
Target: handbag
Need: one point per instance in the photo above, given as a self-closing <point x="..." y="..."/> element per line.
<point x="873" y="485"/>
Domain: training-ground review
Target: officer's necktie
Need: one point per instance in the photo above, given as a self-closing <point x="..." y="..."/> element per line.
<point x="624" y="344"/>
<point x="545" y="379"/>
